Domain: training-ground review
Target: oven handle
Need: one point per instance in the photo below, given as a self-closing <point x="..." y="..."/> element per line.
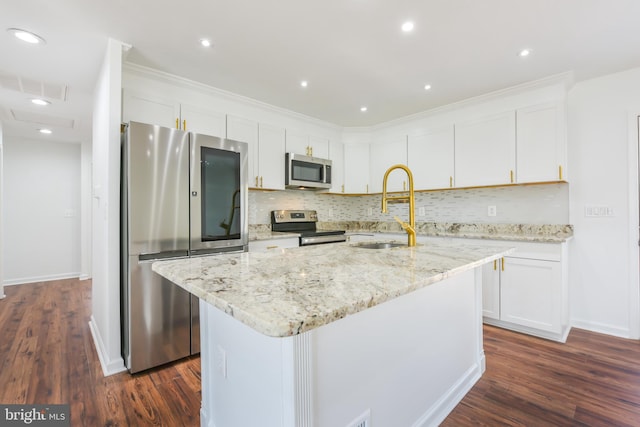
<point x="314" y="240"/>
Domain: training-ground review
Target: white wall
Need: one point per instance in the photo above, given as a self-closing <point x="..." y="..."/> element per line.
<point x="41" y="210"/>
<point x="85" y="210"/>
<point x="602" y="269"/>
<point x="2" y="295"/>
<point x="105" y="298"/>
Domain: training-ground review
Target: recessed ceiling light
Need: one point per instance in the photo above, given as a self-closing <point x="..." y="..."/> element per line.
<point x="524" y="52"/>
<point x="304" y="83"/>
<point x="45" y="131"/>
<point x="26" y="36"/>
<point x="407" y="26"/>
<point x="40" y="101"/>
<point x="205" y="42"/>
<point x="427" y="87"/>
<point x="363" y="109"/>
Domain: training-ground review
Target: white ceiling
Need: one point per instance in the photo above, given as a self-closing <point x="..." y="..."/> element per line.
<point x="352" y="52"/>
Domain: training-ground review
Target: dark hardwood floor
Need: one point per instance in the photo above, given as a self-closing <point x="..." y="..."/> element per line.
<point x="47" y="357"/>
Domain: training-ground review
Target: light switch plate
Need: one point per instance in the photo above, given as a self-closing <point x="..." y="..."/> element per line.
<point x="492" y="210"/>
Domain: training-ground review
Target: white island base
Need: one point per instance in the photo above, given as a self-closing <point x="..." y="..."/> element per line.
<point x="406" y="362"/>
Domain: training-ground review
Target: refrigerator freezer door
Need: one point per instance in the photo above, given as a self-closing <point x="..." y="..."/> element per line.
<point x="159" y="319"/>
<point x="158" y="189"/>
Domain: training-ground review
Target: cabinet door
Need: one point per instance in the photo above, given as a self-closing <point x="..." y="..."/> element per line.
<point x="531" y="293"/>
<point x="431" y="158"/>
<point x="382" y="156"/>
<point x="201" y="120"/>
<point x="149" y="109"/>
<point x="491" y="290"/>
<point x="297" y="142"/>
<point x="540" y="143"/>
<point x="245" y="130"/>
<point x="356" y="168"/>
<point x="319" y="146"/>
<point x="336" y="155"/>
<point x="271" y="146"/>
<point x="485" y="151"/>
<point x="273" y="244"/>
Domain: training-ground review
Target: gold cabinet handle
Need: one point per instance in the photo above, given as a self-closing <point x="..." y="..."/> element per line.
<point x="560" y="172"/>
<point x="343" y="188"/>
<point x="311" y="151"/>
<point x="367" y="188"/>
<point x="495" y="264"/>
<point x="404" y="185"/>
<point x="261" y="184"/>
<point x="256" y="181"/>
<point x="450" y="182"/>
<point x="184" y="125"/>
<point x="511" y="174"/>
<point x="272" y="247"/>
<point x="177" y="123"/>
<point x="502" y="264"/>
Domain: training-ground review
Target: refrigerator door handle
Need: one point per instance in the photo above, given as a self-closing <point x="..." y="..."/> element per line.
<point x="162" y="255"/>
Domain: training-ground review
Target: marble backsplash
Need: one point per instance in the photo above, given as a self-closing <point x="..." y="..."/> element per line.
<point x="526" y="204"/>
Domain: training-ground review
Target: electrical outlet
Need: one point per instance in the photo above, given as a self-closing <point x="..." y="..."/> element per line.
<point x="369" y="211"/>
<point x="421" y="211"/>
<point x="598" y="211"/>
<point x="330" y="213"/>
<point x="491" y="211"/>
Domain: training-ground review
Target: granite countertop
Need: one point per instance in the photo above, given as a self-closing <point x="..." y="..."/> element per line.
<point x="543" y="233"/>
<point x="290" y="291"/>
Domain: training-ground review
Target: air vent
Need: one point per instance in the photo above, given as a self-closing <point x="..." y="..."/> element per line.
<point x="42" y="119"/>
<point x="33" y="87"/>
<point x="363" y="420"/>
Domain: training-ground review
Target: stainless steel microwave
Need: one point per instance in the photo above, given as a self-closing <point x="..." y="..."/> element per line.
<point x="304" y="172"/>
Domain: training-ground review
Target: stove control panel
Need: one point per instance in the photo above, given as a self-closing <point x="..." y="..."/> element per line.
<point x="293" y="216"/>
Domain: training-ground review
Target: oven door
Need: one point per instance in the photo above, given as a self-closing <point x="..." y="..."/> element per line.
<point x="218" y="194"/>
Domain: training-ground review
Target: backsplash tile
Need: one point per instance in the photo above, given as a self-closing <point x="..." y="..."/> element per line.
<point x="527" y="204"/>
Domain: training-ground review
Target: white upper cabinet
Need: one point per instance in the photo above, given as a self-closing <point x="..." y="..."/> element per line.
<point x="202" y="120"/>
<point x="540" y="133"/>
<point x="266" y="151"/>
<point x="297" y="142"/>
<point x="150" y="109"/>
<point x="485" y="151"/>
<point x="308" y="145"/>
<point x="336" y="155"/>
<point x="155" y="110"/>
<point x="356" y="172"/>
<point x="319" y="146"/>
<point x="430" y="157"/>
<point x="384" y="154"/>
<point x="245" y="130"/>
<point x="271" y="150"/>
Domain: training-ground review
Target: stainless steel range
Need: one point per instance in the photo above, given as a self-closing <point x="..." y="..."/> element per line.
<point x="304" y="222"/>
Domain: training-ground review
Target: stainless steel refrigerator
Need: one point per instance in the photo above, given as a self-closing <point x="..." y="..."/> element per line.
<point x="182" y="195"/>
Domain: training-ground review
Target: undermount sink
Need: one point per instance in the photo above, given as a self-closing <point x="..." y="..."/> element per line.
<point x="379" y="245"/>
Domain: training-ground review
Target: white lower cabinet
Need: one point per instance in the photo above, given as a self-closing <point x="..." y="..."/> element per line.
<point x="528" y="292"/>
<point x="273" y="244"/>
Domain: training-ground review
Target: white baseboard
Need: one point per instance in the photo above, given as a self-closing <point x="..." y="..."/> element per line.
<point x="443" y="407"/>
<point x="47" y="278"/>
<point x="109" y="367"/>
<point x="602" y="328"/>
<point x="84" y="277"/>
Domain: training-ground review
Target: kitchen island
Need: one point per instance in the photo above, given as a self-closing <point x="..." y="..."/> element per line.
<point x="335" y="335"/>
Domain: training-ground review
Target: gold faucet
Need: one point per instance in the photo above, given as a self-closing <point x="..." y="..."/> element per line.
<point x="410" y="228"/>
